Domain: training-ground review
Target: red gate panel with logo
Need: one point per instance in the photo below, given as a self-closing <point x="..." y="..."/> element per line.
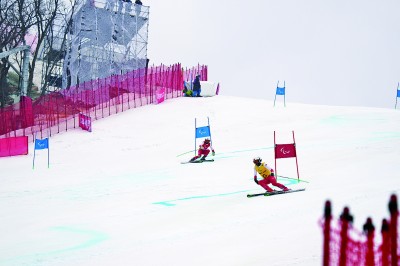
<point x="283" y="151"/>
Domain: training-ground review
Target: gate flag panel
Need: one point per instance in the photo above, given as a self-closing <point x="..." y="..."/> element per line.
<point x="41" y="144"/>
<point x="281" y="91"/>
<point x="397" y="95"/>
<point x="85" y="122"/>
<point x="160" y="95"/>
<point x="283" y="151"/>
<point x="201" y="132"/>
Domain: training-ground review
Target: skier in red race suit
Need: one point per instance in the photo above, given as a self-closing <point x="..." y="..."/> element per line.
<point x="267" y="174"/>
<point x="203" y="151"/>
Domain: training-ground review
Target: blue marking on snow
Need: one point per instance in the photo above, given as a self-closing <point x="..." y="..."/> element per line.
<point x="91" y="238"/>
<point x="385" y="135"/>
<point x="350" y="119"/>
<point x="170" y="202"/>
<point x="291" y="180"/>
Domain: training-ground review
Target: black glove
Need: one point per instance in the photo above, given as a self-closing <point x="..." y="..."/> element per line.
<point x="255" y="180"/>
<point x="272" y="174"/>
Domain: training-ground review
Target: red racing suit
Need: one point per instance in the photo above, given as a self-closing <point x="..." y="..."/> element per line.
<point x="267" y="173"/>
<point x="204" y="150"/>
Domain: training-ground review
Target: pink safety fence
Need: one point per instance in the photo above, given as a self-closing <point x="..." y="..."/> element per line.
<point x="13" y="146"/>
<point x="343" y="245"/>
<point x="59" y="111"/>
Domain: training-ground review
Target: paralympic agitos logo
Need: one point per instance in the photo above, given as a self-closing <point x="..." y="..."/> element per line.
<point x="283" y="151"/>
<point x="202" y="132"/>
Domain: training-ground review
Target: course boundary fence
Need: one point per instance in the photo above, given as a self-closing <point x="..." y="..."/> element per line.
<point x="59" y="111"/>
<point x="343" y="245"/>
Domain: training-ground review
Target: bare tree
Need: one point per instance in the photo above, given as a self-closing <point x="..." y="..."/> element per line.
<point x="15" y="19"/>
<point x="40" y="17"/>
<point x="46" y="12"/>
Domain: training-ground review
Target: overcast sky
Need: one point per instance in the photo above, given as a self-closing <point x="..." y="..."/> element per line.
<point x="334" y="52"/>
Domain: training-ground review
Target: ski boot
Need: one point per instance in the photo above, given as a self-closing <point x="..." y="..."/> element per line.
<point x="193" y="159"/>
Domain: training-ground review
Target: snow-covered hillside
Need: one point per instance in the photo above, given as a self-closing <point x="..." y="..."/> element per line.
<point x="120" y="196"/>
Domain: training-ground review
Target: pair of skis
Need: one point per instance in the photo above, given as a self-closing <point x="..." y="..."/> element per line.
<point x="275" y="193"/>
<point x="199" y="161"/>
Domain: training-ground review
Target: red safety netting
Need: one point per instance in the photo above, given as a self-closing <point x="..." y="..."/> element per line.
<point x="345" y="246"/>
<point x="13" y="146"/>
<point x="98" y="98"/>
